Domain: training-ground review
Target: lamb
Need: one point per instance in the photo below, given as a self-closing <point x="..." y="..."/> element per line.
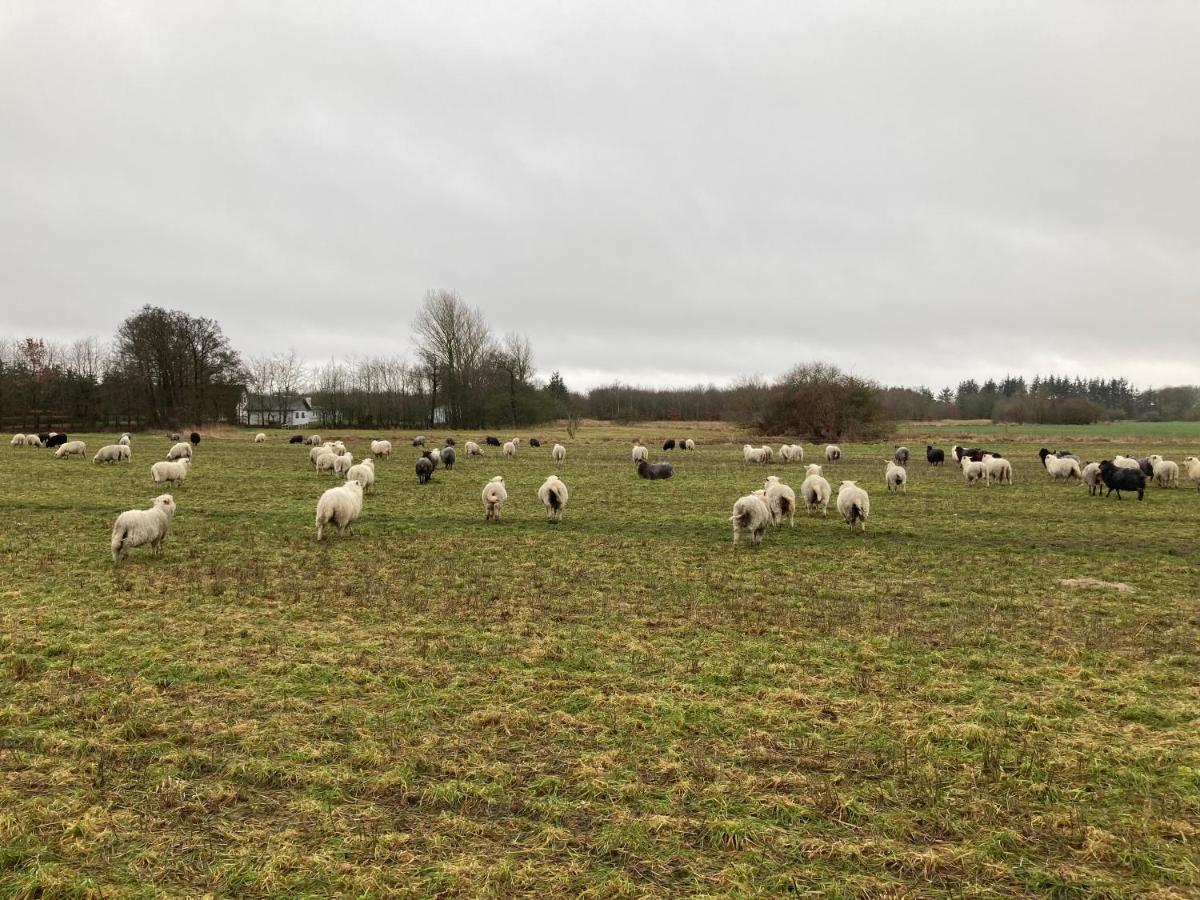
<point x="342" y="464"/>
<point x="1090" y="475"/>
<point x="1192" y="465"/>
<point x="972" y="471"/>
<point x="1062" y="467"/>
<point x="473" y="449"/>
<point x="781" y="501"/>
<point x="654" y="471"/>
<point x="816" y="491"/>
<point x="314" y="440"/>
<point x="170" y="471"/>
<point x="123" y="440"/>
<point x="1122" y="478"/>
<point x="363" y="473"/>
<point x="71" y="448"/>
<point x="901" y="456"/>
<point x="136" y="527"/>
<point x="260" y="438"/>
<point x="996" y="468"/>
<point x="1166" y="472"/>
<point x="419" y="441"/>
<point x="424" y="469"/>
<point x="751" y="515"/>
<point x="112" y="453"/>
<point x="381" y="449"/>
<point x="669" y="444"/>
<point x="327" y="462"/>
<point x="689" y="444"/>
<point x="510" y="449"/>
<point x="18" y="440"/>
<point x="558" y="453"/>
<point x="854" y="504"/>
<point x="935" y="456"/>
<point x="896" y="477"/>
<point x="833" y="453"/>
<point x="492" y="441"/>
<point x="182" y="450"/>
<point x="494" y="496"/>
<point x="640" y="453"/>
<point x="553" y="494"/>
<point x="55" y="440"/>
<point x="296" y="439"/>
<point x="448" y="458"/>
<point x="194" y="437"/>
<point x="341" y="507"/>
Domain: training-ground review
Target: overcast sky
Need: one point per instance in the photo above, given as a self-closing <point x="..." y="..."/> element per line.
<point x="655" y="192"/>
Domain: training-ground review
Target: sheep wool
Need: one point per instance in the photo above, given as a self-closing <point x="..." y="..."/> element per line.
<point x="1063" y="468"/>
<point x="751" y="516"/>
<point x="896" y="477"/>
<point x="342" y="464"/>
<point x="553" y="494"/>
<point x="1090" y="475"/>
<point x="363" y="473"/>
<point x="832" y="452"/>
<point x="559" y="453"/>
<point x="260" y="438"/>
<point x="112" y="453"/>
<point x="170" y="471"/>
<point x="381" y="449"/>
<point x="32" y="440"/>
<point x="1192" y="465"/>
<point x="473" y="449"/>
<point x="1166" y="472"/>
<point x="640" y="453"/>
<point x="136" y="527"/>
<point x="182" y="450"/>
<point x="816" y="491"/>
<point x="854" y="505"/>
<point x="18" y="440"/>
<point x="71" y="448"/>
<point x="123" y="440"/>
<point x="689" y="444"/>
<point x="510" y="449"/>
<point x="972" y="471"/>
<point x="494" y="496"/>
<point x="997" y="469"/>
<point x="1126" y="462"/>
<point x="781" y="501"/>
<point x="314" y="440"/>
<point x="326" y="461"/>
<point x="340" y="507"/>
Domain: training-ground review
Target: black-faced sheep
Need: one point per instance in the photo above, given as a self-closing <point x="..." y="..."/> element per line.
<point x="492" y="441"/>
<point x="669" y="444"/>
<point x="654" y="471"/>
<point x="1122" y="478"/>
<point x="194" y="437"/>
<point x="935" y="456"/>
<point x="534" y="442"/>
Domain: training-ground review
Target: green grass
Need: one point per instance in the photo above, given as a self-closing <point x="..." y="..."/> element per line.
<point x="1103" y="433"/>
<point x="620" y="705"/>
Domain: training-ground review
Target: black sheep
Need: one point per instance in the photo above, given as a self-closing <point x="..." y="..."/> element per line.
<point x="681" y="443"/>
<point x="450" y="442"/>
<point x="44" y="437"/>
<point x="296" y="439"/>
<point x="448" y="458"/>
<point x="1146" y="466"/>
<point x="1118" y="478"/>
<point x="654" y="471"/>
<point x="901" y="455"/>
<point x="194" y="438"/>
<point x="424" y="468"/>
<point x="492" y="441"/>
<point x="935" y="456"/>
<point x="534" y="442"/>
<point x="669" y="444"/>
<point x="57" y="441"/>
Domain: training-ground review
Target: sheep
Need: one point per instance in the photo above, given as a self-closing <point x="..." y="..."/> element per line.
<point x="342" y="464"/>
<point x="689" y="444"/>
<point x="1146" y="464"/>
<point x="435" y="456"/>
<point x="901" y="456"/>
<point x="381" y="449"/>
<point x="173" y="436"/>
<point x="767" y="454"/>
<point x="750" y="515"/>
<point x="170" y="471"/>
<point x="136" y="527"/>
<point x="832" y="453"/>
<point x="1090" y="475"/>
<point x="123" y="440"/>
<point x="553" y="494"/>
<point x="854" y="504"/>
<point x="1059" y="454"/>
<point x="182" y="450"/>
<point x="1122" y="478"/>
<point x="260" y="438"/>
<point x="448" y="458"/>
<point x="1125" y="462"/>
<point x="494" y="496"/>
<point x="896" y="477"/>
<point x="112" y="453"/>
<point x="450" y="442"/>
<point x="1192" y="465"/>
<point x="296" y="439"/>
<point x="55" y="439"/>
<point x="71" y="448"/>
<point x="510" y="449"/>
<point x="816" y="491"/>
<point x="473" y="449"/>
<point x="640" y="453"/>
<point x="1166" y="472"/>
<point x="363" y="473"/>
<point x="1062" y="468"/>
<point x="492" y="441"/>
<point x="655" y="471"/>
<point x="781" y="501"/>
<point x="314" y="440"/>
<point x="534" y="442"/>
<point x="18" y="440"/>
<point x="755" y="455"/>
<point x="996" y="468"/>
<point x="32" y="440"/>
<point x="194" y="437"/>
<point x="341" y="507"/>
<point x="327" y="462"/>
<point x="424" y="469"/>
<point x="972" y="471"/>
<point x="419" y="441"/>
<point x="316" y="453"/>
<point x="339" y="448"/>
<point x="747" y="453"/>
<point x="787" y="453"/>
<point x="559" y="453"/>
<point x="669" y="444"/>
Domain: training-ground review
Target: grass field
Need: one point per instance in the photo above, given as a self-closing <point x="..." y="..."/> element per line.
<point x="1106" y="433"/>
<point x="620" y="705"/>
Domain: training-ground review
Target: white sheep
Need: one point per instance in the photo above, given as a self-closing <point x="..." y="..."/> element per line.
<point x="314" y="440"/>
<point x="1193" y="469"/>
<point x="766" y="454"/>
<point x="1166" y="472"/>
<point x="123" y="440"/>
<point x="559" y="453"/>
<point x="182" y="450"/>
<point x="436" y="455"/>
<point x="816" y="491"/>
<point x="112" y="453"/>
<point x="1126" y="462"/>
<point x="689" y="444"/>
<point x="136" y="527"/>
<point x="832" y="453"/>
<point x="510" y="449"/>
<point x="260" y="438"/>
<point x="363" y="473"/>
<point x="751" y="515"/>
<point x="1063" y="468"/>
<point x="973" y="471"/>
<point x="791" y="453"/>
<point x="326" y="461"/>
<point x="747" y="453"/>
<point x="854" y="504"/>
<point x="381" y="449"/>
<point x="342" y="464"/>
<point x="340" y="506"/>
<point x="781" y="501"/>
<point x="640" y="453"/>
<point x="553" y="494"/>
<point x="170" y="471"/>
<point x="32" y="440"/>
<point x="895" y="477"/>
<point x="473" y="449"/>
<point x="494" y="496"/>
<point x="997" y="469"/>
<point x="18" y="440"/>
<point x="71" y="448"/>
<point x="317" y="452"/>
<point x="338" y="447"/>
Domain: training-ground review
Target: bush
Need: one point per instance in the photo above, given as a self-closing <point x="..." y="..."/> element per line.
<point x="819" y="402"/>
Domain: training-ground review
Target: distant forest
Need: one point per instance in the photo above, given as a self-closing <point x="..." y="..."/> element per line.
<point x="167" y="369"/>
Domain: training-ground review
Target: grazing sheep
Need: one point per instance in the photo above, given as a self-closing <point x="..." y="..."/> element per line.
<point x="55" y="440"/>
<point x="997" y="469"/>
<point x="559" y="453"/>
<point x="194" y="437"/>
<point x="112" y="453"/>
<point x="32" y="440"/>
<point x="314" y="440"/>
<point x="494" y="496"/>
<point x="380" y="449"/>
<point x="553" y="494"/>
<point x="260" y="438"/>
<point x="340" y="506"/>
<point x="363" y="473"/>
<point x="182" y="450"/>
<point x="690" y="444"/>
<point x="123" y="440"/>
<point x="935" y="456"/>
<point x="450" y="442"/>
<point x="781" y="501"/>
<point x="492" y="441"/>
<point x="173" y="436"/>
<point x="901" y="456"/>
<point x="750" y="515"/>
<point x="640" y="453"/>
<point x="510" y="449"/>
<point x="18" y="440"/>
<point x="1126" y="462"/>
<point x="791" y="453"/>
<point x="1193" y="469"/>
<point x="317" y="452"/>
<point x="534" y="442"/>
<point x="1090" y="475"/>
<point x="71" y="448"/>
<point x="338" y="447"/>
<point x="973" y="471"/>
<point x="473" y="449"/>
<point x="669" y="444"/>
<point x="833" y="453"/>
<point x="436" y="456"/>
<point x="767" y="454"/>
<point x="342" y="464"/>
<point x="44" y="436"/>
<point x="424" y="469"/>
<point x="755" y="455"/>
<point x="296" y="439"/>
<point x="1122" y="478"/>
<point x="748" y="453"/>
<point x="896" y="477"/>
<point x="1165" y="472"/>
<point x="1062" y="468"/>
<point x="854" y="505"/>
<point x="419" y="441"/>
<point x="448" y="458"/>
<point x="136" y="527"/>
<point x="170" y="471"/>
<point x="327" y="462"/>
<point x="816" y="491"/>
<point x="654" y="471"/>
